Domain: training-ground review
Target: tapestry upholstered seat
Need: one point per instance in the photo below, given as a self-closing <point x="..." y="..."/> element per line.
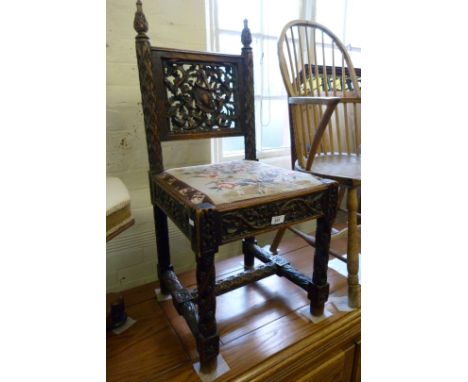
<point x="196" y="95"/>
<point x="234" y="181"/>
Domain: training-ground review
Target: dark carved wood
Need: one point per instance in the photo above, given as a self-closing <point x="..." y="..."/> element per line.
<point x="162" y="244"/>
<point x="235" y="224"/>
<point x="198" y="95"/>
<point x="283" y="268"/>
<point x="207" y="227"/>
<point x="201" y="97"/>
<point x="241" y="279"/>
<point x="319" y="289"/>
<point x="145" y="70"/>
<point x="182" y="300"/>
<point x="208" y="338"/>
<point x="248" y="95"/>
<point x="175" y="209"/>
<point x="249" y="258"/>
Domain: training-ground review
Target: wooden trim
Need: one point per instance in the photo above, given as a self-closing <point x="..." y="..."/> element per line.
<point x="120" y="230"/>
<point x="241" y="279"/>
<point x="313" y="347"/>
<point x="209" y="56"/>
<point x="118" y="217"/>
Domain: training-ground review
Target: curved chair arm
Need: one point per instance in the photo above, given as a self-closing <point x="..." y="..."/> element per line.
<point x="350" y="99"/>
<point x="331" y="103"/>
<point x="307" y="100"/>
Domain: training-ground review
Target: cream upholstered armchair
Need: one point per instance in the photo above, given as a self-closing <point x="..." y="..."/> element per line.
<point x="325" y="110"/>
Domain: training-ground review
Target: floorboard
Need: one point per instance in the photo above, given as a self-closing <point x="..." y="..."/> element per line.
<point x="254" y="322"/>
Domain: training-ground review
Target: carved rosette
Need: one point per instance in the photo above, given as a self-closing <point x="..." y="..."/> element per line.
<point x="202" y="97"/>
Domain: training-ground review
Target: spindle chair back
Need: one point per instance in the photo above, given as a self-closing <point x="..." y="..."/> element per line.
<point x="315" y="63"/>
<point x="324" y="99"/>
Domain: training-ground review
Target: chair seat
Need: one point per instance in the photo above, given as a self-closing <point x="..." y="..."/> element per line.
<point x="235" y="181"/>
<point x="338" y="167"/>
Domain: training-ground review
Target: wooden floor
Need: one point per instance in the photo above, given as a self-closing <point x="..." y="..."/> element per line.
<point x="254" y="323"/>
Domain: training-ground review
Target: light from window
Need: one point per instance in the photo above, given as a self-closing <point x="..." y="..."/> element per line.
<point x="266" y="20"/>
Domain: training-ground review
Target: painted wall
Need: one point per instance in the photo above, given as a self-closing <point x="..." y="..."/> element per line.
<point x="131" y="256"/>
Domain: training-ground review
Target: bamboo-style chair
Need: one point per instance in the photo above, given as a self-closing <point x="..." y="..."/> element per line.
<point x="324" y="105"/>
<point x="192" y="95"/>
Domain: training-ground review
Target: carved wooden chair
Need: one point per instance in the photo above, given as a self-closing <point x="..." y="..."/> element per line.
<point x="191" y="95"/>
<point x="324" y="106"/>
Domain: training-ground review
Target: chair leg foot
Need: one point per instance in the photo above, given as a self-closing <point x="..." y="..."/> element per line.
<point x="208" y="350"/>
<point x="318" y="296"/>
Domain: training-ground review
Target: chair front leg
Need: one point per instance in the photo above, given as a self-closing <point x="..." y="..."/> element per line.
<point x="320" y="289"/>
<point x="354" y="288"/>
<point x="208" y="339"/>
<point x="249" y="257"/>
<point x="162" y="245"/>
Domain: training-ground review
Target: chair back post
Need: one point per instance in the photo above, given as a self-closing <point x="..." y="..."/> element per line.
<point x="145" y="70"/>
<point x="248" y="97"/>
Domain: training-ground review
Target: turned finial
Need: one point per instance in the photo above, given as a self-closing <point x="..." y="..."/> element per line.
<point x="139" y="22"/>
<point x="246" y="37"/>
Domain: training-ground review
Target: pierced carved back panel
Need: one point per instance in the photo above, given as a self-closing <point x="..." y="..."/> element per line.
<point x="198" y="95"/>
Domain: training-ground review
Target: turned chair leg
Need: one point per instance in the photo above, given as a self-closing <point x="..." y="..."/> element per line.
<point x="162" y="244"/>
<point x="249" y="257"/>
<point x="354" y="288"/>
<point x="208" y="338"/>
<point x="276" y="241"/>
<point x="319" y="289"/>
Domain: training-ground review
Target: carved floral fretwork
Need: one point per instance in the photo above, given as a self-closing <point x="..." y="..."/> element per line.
<point x="202" y="97"/>
<point x="237" y="223"/>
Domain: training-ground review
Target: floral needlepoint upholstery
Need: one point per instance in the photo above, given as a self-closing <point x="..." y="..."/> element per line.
<point x="234" y="181"/>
